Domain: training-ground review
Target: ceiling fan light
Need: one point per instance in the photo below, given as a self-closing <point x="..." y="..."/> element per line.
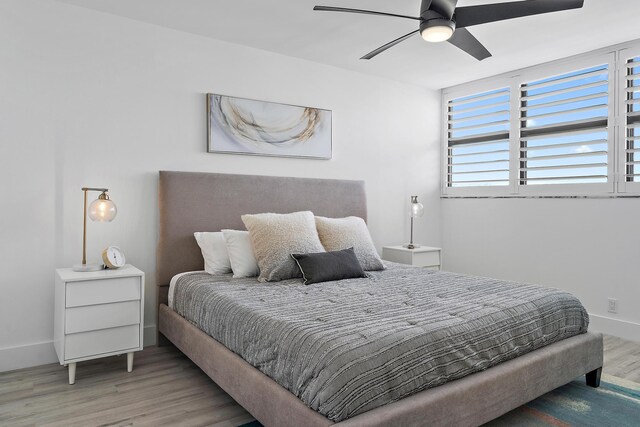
<point x="437" y="30"/>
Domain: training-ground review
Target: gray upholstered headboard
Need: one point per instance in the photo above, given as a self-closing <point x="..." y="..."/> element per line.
<point x="191" y="201"/>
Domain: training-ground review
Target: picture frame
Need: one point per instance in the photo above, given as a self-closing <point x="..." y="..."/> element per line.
<point x="261" y="128"/>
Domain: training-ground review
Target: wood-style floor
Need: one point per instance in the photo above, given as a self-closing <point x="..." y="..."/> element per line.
<point x="165" y="388"/>
<point x="622" y="358"/>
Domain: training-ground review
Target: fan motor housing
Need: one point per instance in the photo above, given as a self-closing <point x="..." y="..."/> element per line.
<point x="437" y="22"/>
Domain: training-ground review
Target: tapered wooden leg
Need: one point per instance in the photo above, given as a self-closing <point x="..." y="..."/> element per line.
<point x="72" y="373"/>
<point x="593" y="378"/>
<point x="129" y="362"/>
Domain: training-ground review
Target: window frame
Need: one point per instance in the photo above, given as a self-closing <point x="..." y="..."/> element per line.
<point x="616" y="58"/>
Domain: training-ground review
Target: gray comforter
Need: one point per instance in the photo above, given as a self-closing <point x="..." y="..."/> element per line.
<point x="349" y="346"/>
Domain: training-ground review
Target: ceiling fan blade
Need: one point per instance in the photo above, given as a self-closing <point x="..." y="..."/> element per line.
<point x="425" y="6"/>
<point x="481" y="14"/>
<point x="464" y="40"/>
<point x="388" y="45"/>
<point x="367" y="12"/>
<point x="445" y="8"/>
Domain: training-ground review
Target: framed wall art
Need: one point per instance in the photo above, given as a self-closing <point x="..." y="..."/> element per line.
<point x="248" y="126"/>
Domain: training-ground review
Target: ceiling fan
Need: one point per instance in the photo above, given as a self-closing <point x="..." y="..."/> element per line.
<point x="441" y="20"/>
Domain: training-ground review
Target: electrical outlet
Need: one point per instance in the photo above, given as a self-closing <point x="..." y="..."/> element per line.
<point x="613" y="305"/>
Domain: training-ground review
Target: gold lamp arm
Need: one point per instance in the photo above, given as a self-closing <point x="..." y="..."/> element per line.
<point x="84" y="221"/>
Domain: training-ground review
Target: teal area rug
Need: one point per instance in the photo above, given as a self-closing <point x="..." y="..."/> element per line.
<point x="615" y="403"/>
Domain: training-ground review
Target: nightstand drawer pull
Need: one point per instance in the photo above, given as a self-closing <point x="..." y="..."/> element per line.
<point x="85" y="344"/>
<point x="102" y="291"/>
<point x="94" y="317"/>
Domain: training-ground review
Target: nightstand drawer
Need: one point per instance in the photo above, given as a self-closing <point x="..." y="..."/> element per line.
<point x="103" y="316"/>
<point x="102" y="291"/>
<point x="86" y="344"/>
<point x="426" y="259"/>
<point x="422" y="256"/>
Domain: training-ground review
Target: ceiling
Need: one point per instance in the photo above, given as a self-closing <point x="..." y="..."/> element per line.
<point x="291" y="27"/>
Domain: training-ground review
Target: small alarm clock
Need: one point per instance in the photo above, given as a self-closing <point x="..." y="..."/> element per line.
<point x="113" y="257"/>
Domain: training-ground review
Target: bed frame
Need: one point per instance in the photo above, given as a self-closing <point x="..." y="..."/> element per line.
<point x="192" y="202"/>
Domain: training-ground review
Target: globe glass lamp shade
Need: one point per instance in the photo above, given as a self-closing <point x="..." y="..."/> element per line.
<point x="102" y="209"/>
<point x="417" y="208"/>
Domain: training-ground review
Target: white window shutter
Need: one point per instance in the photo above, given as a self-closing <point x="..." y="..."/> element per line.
<point x="478" y="139"/>
<point x="564" y="128"/>
<point x="630" y="129"/>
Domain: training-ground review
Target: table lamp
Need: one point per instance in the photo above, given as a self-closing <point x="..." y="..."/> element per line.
<point x="101" y="210"/>
<point x="416" y="210"/>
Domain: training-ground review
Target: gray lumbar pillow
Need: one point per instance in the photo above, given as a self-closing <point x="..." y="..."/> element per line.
<point x="275" y="237"/>
<point x="341" y="233"/>
<point x="329" y="266"/>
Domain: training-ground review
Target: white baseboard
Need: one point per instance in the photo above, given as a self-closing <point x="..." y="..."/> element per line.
<point x="26" y="356"/>
<point x="149" y="335"/>
<point x="43" y="353"/>
<point x="616" y="327"/>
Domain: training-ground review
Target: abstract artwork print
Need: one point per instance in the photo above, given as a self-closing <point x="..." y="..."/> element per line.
<point x="247" y="126"/>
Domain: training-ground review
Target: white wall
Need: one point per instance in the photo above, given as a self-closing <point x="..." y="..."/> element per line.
<point x="88" y="98"/>
<point x="589" y="247"/>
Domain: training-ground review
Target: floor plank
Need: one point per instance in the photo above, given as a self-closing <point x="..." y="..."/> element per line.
<point x="164" y="389"/>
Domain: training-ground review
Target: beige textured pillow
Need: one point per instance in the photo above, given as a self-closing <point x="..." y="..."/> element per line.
<point x="341" y="233"/>
<point x="275" y="237"/>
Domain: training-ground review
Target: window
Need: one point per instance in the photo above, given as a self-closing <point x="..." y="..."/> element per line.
<point x="567" y="128"/>
<point x="478" y="139"/>
<point x="564" y="124"/>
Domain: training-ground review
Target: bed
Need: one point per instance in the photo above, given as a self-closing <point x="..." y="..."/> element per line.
<point x="198" y="201"/>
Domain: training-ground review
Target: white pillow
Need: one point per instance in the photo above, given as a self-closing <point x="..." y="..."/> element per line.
<point x="214" y="252"/>
<point x="243" y="262"/>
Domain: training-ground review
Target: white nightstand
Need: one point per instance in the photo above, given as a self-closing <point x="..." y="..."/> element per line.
<point x="424" y="256"/>
<point x="98" y="314"/>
